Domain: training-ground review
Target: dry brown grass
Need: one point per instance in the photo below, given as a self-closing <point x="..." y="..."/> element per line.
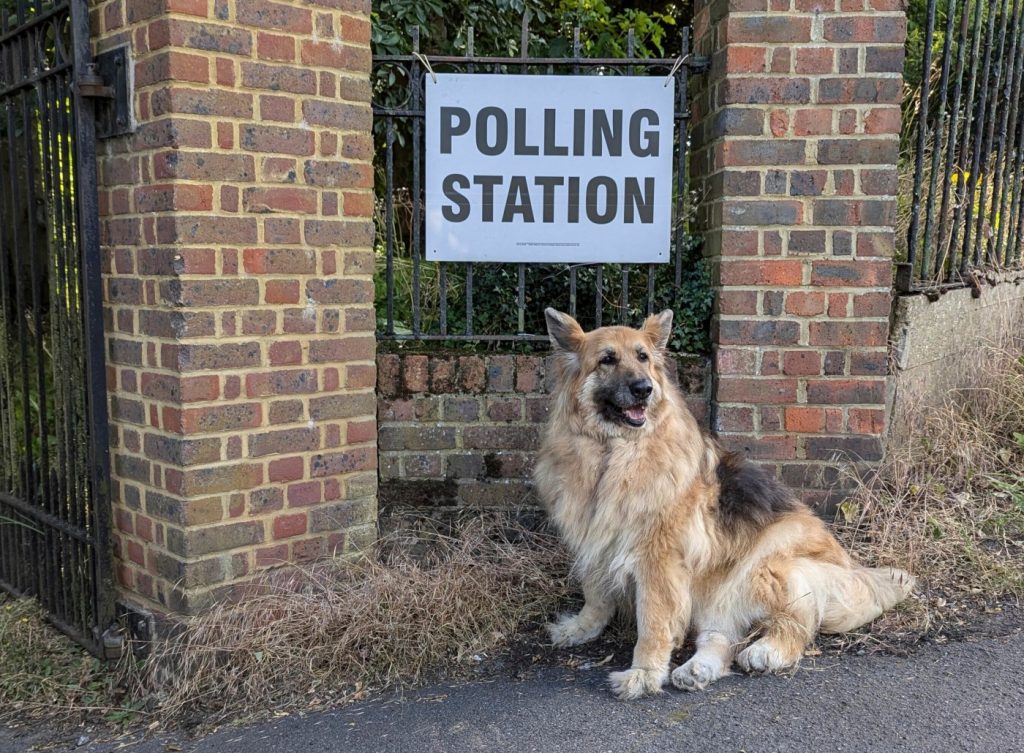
<point x="44" y="675"/>
<point x="947" y="502"/>
<point x="335" y="631"/>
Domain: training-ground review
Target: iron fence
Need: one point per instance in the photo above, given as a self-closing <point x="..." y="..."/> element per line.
<point x="54" y="504"/>
<point x="967" y="212"/>
<point x="425" y="300"/>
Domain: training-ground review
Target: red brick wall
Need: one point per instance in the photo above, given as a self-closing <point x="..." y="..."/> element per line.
<point x="239" y="293"/>
<point x="459" y="432"/>
<point x="795" y="147"/>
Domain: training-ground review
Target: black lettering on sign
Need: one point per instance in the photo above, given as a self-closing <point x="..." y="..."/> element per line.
<point x="450" y="129"/>
<point x="611" y="197"/>
<point x="522" y="149"/>
<point x="500" y="131"/>
<point x="607" y="134"/>
<point x="551" y="149"/>
<point x="548" y="183"/>
<point x="487" y="184"/>
<point x="518" y="201"/>
<point x="651" y="137"/>
<point x="574" y="200"/>
<point x="460" y="211"/>
<point x="640" y="203"/>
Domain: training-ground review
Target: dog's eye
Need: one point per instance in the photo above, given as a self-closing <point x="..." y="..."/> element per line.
<point x="608" y="359"/>
<point x="642" y="356"/>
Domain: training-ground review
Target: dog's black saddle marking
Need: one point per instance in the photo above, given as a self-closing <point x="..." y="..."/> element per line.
<point x="748" y="494"/>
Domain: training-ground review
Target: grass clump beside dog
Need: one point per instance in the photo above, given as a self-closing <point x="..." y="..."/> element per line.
<point x="335" y="630"/>
<point x="947" y="501"/>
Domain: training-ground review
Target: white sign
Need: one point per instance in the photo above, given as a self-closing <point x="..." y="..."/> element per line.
<point x="549" y="168"/>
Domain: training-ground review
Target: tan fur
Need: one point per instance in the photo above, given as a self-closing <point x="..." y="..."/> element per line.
<point x="637" y="507"/>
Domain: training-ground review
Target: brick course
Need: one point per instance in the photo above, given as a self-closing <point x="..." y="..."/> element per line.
<point x="459" y="432"/>
<point x="796" y="134"/>
<point x="239" y="297"/>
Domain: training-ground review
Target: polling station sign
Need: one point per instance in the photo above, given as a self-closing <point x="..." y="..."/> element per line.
<point x="548" y="168"/>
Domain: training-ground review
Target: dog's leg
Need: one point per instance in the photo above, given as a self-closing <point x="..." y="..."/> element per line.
<point x="789" y="626"/>
<point x="662" y="613"/>
<point x="712" y="660"/>
<point x="572" y="630"/>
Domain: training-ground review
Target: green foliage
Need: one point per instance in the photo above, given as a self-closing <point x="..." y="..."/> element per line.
<point x="497" y="27"/>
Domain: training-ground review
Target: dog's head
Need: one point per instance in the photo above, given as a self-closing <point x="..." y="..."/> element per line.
<point x="615" y="373"/>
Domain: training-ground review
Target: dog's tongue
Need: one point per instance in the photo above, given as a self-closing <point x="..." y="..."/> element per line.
<point x="636" y="413"/>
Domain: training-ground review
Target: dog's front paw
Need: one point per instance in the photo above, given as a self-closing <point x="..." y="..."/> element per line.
<point x="696" y="675"/>
<point x="634" y="683"/>
<point x="572" y="631"/>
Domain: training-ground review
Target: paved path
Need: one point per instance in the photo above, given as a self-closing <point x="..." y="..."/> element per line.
<point x="960" y="697"/>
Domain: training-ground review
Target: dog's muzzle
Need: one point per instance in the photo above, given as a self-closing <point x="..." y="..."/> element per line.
<point x="628" y="403"/>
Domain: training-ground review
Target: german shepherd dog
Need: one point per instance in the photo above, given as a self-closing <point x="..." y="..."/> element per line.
<point x="659" y="516"/>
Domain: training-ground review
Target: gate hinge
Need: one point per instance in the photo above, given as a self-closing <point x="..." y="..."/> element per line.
<point x="106" y="80"/>
<point x="90" y="84"/>
<point x="112" y="642"/>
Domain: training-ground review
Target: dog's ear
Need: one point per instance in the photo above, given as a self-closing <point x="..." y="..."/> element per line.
<point x="564" y="331"/>
<point x="658" y="327"/>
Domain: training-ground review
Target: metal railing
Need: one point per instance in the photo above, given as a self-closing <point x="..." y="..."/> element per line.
<point x="440" y="294"/>
<point x="54" y="474"/>
<point x="967" y="212"/>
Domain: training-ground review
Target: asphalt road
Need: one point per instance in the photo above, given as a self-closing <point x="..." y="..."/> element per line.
<point x="960" y="697"/>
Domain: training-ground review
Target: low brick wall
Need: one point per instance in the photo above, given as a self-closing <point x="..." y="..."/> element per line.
<point x="459" y="432"/>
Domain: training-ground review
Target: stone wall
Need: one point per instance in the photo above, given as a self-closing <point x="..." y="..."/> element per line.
<point x="939" y="341"/>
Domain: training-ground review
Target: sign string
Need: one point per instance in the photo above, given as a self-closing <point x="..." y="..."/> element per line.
<point x="675" y="67"/>
<point x="426" y="64"/>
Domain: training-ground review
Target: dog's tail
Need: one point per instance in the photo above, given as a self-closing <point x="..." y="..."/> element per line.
<point x="860" y="594"/>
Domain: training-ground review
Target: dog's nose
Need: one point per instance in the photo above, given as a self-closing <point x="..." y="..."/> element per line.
<point x="641" y="388"/>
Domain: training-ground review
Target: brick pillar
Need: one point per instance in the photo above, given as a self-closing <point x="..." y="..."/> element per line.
<point x="795" y="148"/>
<point x="237" y="234"/>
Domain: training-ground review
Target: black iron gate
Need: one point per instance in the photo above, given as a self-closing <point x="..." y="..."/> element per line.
<point x="54" y="479"/>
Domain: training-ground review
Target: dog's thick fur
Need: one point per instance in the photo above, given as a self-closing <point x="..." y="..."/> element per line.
<point x="658" y="515"/>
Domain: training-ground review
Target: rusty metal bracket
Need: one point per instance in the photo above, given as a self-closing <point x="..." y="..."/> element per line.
<point x="107" y="81"/>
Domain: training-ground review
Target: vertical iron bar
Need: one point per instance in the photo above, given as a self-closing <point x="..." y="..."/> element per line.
<point x="939" y="140"/>
<point x="922" y="138"/>
<point x="995" y="221"/>
<point x="415" y="74"/>
<point x="1016" y="226"/>
<point x="681" y="168"/>
<point x="389" y="219"/>
<point x="576" y="72"/>
<point x="46" y="565"/>
<point x="86" y="193"/>
<point x="1008" y="129"/>
<point x="598" y="294"/>
<point x="967" y="184"/>
<point x="470" y="52"/>
<point x="986" y="146"/>
<point x="624" y="296"/>
<point x="75" y="348"/>
<point x="442" y="282"/>
<point x="524" y="44"/>
<point x="27" y="491"/>
<point x="572" y="291"/>
<point x="943" y="242"/>
<point x="43" y="489"/>
<point x="8" y="397"/>
<point x="521" y="300"/>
